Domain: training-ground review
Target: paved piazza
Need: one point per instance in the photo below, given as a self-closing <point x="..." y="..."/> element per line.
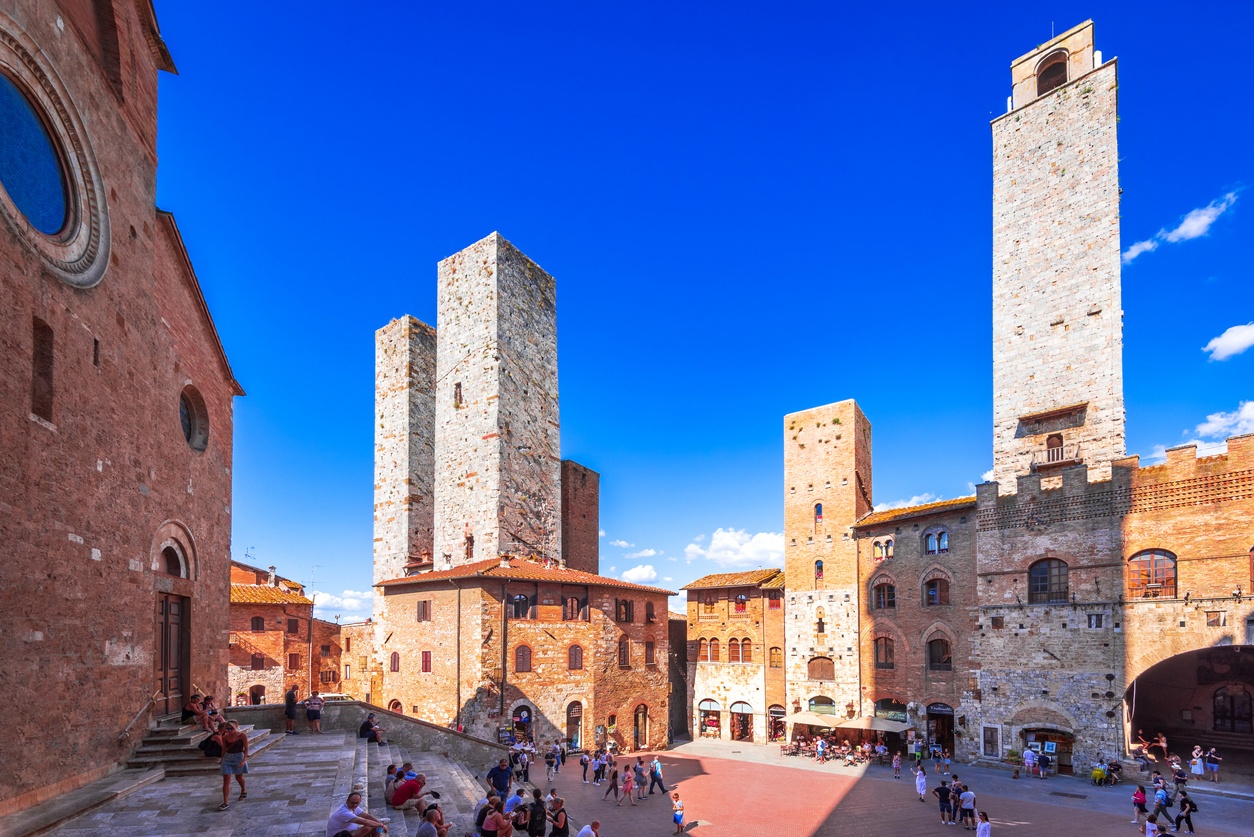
<point x="728" y="790"/>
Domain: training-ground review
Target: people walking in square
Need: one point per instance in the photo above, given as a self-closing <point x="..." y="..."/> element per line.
<point x="897" y="765"/>
<point x="1029" y="762"/>
<point x="920" y="782"/>
<point x="945" y="797"/>
<point x="629" y="787"/>
<point x="233" y="762"/>
<point x="584" y="761"/>
<point x="1151" y="829"/>
<point x="638" y="777"/>
<point x="655" y="775"/>
<point x="966" y="808"/>
<point x="613" y="785"/>
<point x="501" y="778"/>
<point x="1187" y="809"/>
<point x="1138" y="805"/>
<point x="677" y="807"/>
<point x="945" y="754"/>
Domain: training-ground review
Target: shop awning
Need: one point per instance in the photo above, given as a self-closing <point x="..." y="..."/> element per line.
<point x="814" y="719"/>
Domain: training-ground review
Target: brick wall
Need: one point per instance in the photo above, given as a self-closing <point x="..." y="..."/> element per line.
<point x="276" y="644"/>
<point x="359" y="665"/>
<point x="92" y="497"/>
<point x="581" y="517"/>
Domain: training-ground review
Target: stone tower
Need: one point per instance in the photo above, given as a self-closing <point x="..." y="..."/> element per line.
<point x="827" y="487"/>
<point x="497" y="434"/>
<point x="404" y="446"/>
<point x="1057" y="319"/>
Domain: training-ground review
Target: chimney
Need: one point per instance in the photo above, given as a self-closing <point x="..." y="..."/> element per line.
<point x="505" y="561"/>
<point x="270" y="580"/>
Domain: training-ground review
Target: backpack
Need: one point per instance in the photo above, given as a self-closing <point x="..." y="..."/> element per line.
<point x="1193" y="804"/>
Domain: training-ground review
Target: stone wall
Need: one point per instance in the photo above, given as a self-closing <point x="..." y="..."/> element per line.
<point x="498" y="468"/>
<point x="362" y="676"/>
<point x="581" y="517"/>
<point x="827" y="460"/>
<point x="92" y="494"/>
<point x="324" y="666"/>
<point x="1057" y="315"/>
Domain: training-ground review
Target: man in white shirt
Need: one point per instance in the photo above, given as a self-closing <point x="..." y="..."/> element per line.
<point x="351" y="814"/>
<point x="592" y="829"/>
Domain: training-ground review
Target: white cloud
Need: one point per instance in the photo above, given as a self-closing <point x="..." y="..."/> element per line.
<point x="671" y="558"/>
<point x="641" y="574"/>
<point x="698" y="539"/>
<point x="613" y="570"/>
<point x="1232" y="342"/>
<point x="667" y="578"/>
<point x="644" y="553"/>
<point x="916" y="500"/>
<point x="679" y="601"/>
<point x="353" y="602"/>
<point x="1211" y="435"/>
<point x="601" y="533"/>
<point x="737" y="548"/>
<point x="987" y="476"/>
<point x="1194" y="225"/>
<point x="621" y="544"/>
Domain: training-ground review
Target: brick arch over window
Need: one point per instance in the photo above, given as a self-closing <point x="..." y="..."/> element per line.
<point x="885" y="629"/>
<point x="1045" y="714"/>
<point x="936" y="540"/>
<point x="883" y="578"/>
<point x="1152" y="574"/>
<point x="173" y="533"/>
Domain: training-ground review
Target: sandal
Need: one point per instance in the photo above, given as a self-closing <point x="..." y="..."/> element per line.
<point x="243" y="795"/>
<point x="223" y="806"/>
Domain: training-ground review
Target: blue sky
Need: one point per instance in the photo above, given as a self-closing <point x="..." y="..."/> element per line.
<point x="749" y="209"/>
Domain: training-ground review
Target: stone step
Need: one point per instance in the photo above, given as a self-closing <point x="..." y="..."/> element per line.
<point x="67" y="806"/>
<point x="179" y="757"/>
<point x="206" y="766"/>
<point x="378" y="757"/>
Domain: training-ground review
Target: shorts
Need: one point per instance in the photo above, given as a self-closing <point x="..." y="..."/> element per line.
<point x="679" y="818"/>
<point x="946" y="808"/>
<point x="964" y="813"/>
<point x="289" y="713"/>
<point x="1140" y="806"/>
<point x="233" y="764"/>
<point x="313" y="714"/>
<point x="1212" y="766"/>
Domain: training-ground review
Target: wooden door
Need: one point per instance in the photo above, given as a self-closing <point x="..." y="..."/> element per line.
<point x="171" y="641"/>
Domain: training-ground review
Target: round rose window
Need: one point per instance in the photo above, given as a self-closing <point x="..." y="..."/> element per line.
<point x="30" y="168"/>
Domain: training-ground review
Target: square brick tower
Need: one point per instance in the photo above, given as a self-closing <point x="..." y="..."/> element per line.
<point x="1057" y="319"/>
<point x="827" y="487"/>
<point x="404" y="447"/>
<point x="497" y="435"/>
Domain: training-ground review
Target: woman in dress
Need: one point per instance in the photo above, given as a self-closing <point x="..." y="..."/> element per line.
<point x="897" y="765"/>
<point x="920" y="782"/>
<point x="641" y="778"/>
<point x="629" y="785"/>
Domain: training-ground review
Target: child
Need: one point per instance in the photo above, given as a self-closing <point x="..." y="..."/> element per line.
<point x="678" y="807"/>
<point x="897" y="765"/>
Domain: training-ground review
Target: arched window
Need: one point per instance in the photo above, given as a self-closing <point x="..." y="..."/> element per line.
<point x="733" y="651"/>
<point x="1053" y="448"/>
<point x="714" y="655"/>
<point x="623" y="611"/>
<point x="1047" y="581"/>
<point x="572" y="609"/>
<point x="884" y="596"/>
<point x="823" y="705"/>
<point x="888" y="548"/>
<point x="939" y="657"/>
<point x="884" y="549"/>
<point x="936" y="592"/>
<point x="172" y="564"/>
<point x="821" y="668"/>
<point x="624" y="653"/>
<point x="1052" y="73"/>
<point x="522" y="607"/>
<point x="777" y="658"/>
<point x="820" y="626"/>
<point x="930" y="545"/>
<point x="258" y="623"/>
<point x="878" y="551"/>
<point x="522" y="658"/>
<point x="708" y="601"/>
<point x="649" y="614"/>
<point x="818" y="517"/>
<point x="942" y="542"/>
<point x="395" y="706"/>
<point x="742" y="603"/>
<point x="1152" y="574"/>
<point x="936" y="543"/>
<point x="818" y="569"/>
<point x="703" y="651"/>
<point x="746" y="650"/>
<point x="884" y="652"/>
<point x="394" y="663"/>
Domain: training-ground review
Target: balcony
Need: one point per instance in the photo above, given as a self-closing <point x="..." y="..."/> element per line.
<point x="1054" y="458"/>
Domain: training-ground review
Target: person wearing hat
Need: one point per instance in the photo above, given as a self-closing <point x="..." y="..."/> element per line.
<point x="372" y="732"/>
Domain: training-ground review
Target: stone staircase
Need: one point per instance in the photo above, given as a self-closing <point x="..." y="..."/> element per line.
<point x="459" y="788"/>
<point x="172" y="745"/>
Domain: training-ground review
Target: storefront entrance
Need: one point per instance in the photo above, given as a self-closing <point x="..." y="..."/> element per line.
<point x="741" y="721"/>
<point x="709" y="717"/>
<point x="1053" y="743"/>
<point x="522" y="723"/>
<point x="640" y="732"/>
<point x="777" y="727"/>
<point x="940" y="726"/>
<point x="574" y="726"/>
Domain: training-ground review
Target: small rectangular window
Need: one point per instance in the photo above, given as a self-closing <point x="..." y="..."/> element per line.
<point x="1095" y="620"/>
<point x="424" y="610"/>
<point x="1216" y="618"/>
<point x="293" y="626"/>
<point x="457" y="394"/>
<point x="324" y="650"/>
<point x="41" y="371"/>
<point x="95" y="352"/>
<point x="650" y="657"/>
<point x="426" y="661"/>
<point x="348" y="672"/>
<point x="999" y="621"/>
<point x="348" y="645"/>
<point x="293" y="660"/>
<point x="775" y="600"/>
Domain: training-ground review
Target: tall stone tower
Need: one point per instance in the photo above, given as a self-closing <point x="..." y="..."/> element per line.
<point x="827" y="487"/>
<point x="497" y="435"/>
<point x="1057" y="318"/>
<point x="404" y="446"/>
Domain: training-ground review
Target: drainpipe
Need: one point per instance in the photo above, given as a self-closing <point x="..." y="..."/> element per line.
<point x="504" y="643"/>
<point x="457" y="713"/>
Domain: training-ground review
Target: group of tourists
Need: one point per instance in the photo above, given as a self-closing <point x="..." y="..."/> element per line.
<point x="313" y="710"/>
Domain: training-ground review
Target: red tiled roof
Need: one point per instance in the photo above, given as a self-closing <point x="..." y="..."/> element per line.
<point x="265" y="594"/>
<point x="520" y="569"/>
<point x="748" y="578"/>
<point x="776" y="583"/>
<point x="915" y="511"/>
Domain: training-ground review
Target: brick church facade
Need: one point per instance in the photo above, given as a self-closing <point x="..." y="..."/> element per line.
<point x="491" y="615"/>
<point x="1078" y="596"/>
<point x="115" y="406"/>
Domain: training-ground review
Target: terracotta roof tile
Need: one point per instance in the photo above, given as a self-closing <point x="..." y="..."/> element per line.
<point x="776" y="583"/>
<point x="749" y="578"/>
<point x="520" y="569"/>
<point x="265" y="594"/>
<point x="888" y="515"/>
